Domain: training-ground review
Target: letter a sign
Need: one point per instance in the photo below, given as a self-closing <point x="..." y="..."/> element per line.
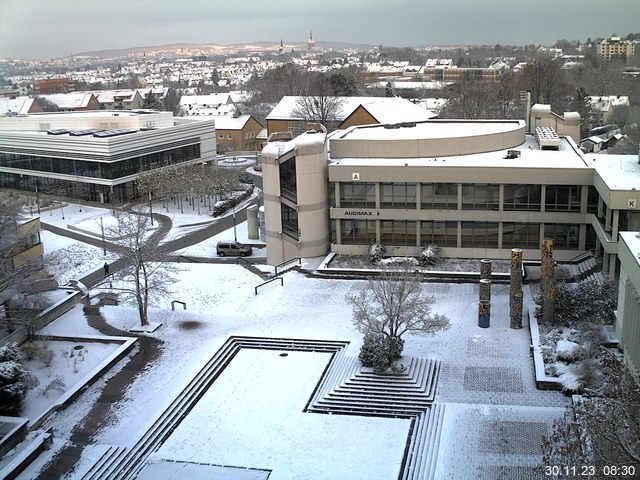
<point x="355" y="176"/>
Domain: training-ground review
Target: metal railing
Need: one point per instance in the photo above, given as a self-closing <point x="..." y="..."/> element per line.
<point x="255" y="290"/>
<point x="288" y="263"/>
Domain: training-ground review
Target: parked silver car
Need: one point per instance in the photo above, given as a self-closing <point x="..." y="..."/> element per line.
<point x="233" y="249"/>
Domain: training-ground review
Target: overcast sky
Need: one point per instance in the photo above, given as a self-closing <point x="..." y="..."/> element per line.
<point x="56" y="28"/>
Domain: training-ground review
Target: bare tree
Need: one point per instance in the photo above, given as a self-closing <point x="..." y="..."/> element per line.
<point x="395" y="303"/>
<point x="601" y="429"/>
<point x="199" y="182"/>
<point x="147" y="274"/>
<point x="546" y="81"/>
<point x="319" y="104"/>
<point x="10" y="207"/>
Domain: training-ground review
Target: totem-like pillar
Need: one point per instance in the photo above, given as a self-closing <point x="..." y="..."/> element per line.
<point x="548" y="281"/>
<point x="485" y="268"/>
<point x="484" y="314"/>
<point x="515" y="293"/>
<point x="485" y="290"/>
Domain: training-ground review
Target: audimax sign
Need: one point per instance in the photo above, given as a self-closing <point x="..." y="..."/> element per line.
<point x="360" y="213"/>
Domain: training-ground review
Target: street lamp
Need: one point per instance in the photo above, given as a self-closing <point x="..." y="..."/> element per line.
<point x="104" y="246"/>
<point x="150" y="209"/>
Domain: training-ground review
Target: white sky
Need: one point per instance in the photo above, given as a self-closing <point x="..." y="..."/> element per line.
<point x="57" y="28"/>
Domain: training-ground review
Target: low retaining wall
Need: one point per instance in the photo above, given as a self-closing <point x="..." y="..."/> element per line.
<point x="43" y="318"/>
<point x="543" y="381"/>
<point x="74" y="392"/>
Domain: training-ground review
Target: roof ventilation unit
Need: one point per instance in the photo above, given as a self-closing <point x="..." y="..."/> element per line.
<point x="547" y="138"/>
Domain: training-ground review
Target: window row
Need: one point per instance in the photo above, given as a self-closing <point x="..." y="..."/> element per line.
<point x="445" y="234"/>
<point x="106" y="170"/>
<point x="475" y="196"/>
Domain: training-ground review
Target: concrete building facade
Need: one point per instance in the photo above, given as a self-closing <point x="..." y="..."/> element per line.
<point x="628" y="312"/>
<point x="615" y="47"/>
<point x="477" y="189"/>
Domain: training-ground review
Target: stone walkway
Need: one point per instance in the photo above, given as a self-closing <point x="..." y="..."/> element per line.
<point x="495" y="416"/>
<point x="147" y="351"/>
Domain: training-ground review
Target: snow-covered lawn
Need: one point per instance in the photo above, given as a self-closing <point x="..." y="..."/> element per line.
<point x="68" y="364"/>
<point x="67" y="259"/>
<point x="253" y="416"/>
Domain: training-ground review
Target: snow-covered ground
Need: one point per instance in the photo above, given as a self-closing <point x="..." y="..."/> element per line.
<point x="68" y="259"/>
<point x="69" y="363"/>
<point x="252" y="415"/>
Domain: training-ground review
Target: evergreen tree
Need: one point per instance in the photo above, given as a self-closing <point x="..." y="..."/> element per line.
<point x="152" y="102"/>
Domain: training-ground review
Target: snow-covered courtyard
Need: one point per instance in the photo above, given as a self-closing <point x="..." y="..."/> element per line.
<point x="253" y="415"/>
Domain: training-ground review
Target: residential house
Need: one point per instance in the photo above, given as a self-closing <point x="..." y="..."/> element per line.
<point x="237" y="133"/>
<point x="350" y="111"/>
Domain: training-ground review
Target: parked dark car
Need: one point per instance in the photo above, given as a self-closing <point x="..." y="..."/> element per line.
<point x="233" y="249"/>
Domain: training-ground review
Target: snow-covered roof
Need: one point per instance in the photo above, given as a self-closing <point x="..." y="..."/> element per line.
<point x="160" y="92"/>
<point x="632" y="240"/>
<point x="119" y="95"/>
<point x="391" y="108"/>
<point x="17" y="105"/>
<point x="604" y="103"/>
<point x="69" y="100"/>
<point x="212" y="100"/>
<point x="397" y="111"/>
<point x="618" y="172"/>
<point x="432" y="130"/>
<point x="224" y="122"/>
<point x="530" y="157"/>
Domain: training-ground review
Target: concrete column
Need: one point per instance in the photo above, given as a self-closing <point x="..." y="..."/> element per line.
<point x="485" y="290"/>
<point x="543" y="198"/>
<point x="515" y="297"/>
<point x="615" y="220"/>
<point x="548" y="281"/>
<point x="252" y="222"/>
<point x="607" y="221"/>
<point x="612" y="266"/>
<point x="485" y="268"/>
<point x="484" y="314"/>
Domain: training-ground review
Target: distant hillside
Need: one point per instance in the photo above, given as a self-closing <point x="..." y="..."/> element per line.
<point x="212" y="48"/>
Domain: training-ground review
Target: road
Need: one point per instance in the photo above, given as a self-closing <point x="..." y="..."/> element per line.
<point x="165" y="224"/>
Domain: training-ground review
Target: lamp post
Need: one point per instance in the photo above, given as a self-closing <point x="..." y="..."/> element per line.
<point x="104" y="245"/>
<point x="37" y="197"/>
<point x="235" y="235"/>
<point x="150" y="209"/>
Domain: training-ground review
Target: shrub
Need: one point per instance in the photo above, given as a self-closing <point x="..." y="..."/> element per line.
<point x="405" y="262"/>
<point x="376" y="252"/>
<point x="429" y="255"/>
<point x="57" y="384"/>
<point x="13" y="380"/>
<point x="38" y="351"/>
<point x="585" y="300"/>
<point x="374" y="352"/>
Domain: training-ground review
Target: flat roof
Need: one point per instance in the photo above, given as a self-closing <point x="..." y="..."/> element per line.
<point x="632" y="239"/>
<point x="530" y="157"/>
<point x="432" y="129"/>
<point x="618" y="172"/>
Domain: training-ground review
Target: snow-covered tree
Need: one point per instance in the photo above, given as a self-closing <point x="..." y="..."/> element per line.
<point x="152" y="102"/>
<point x="13" y="380"/>
<point x="147" y="274"/>
<point x="393" y="304"/>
